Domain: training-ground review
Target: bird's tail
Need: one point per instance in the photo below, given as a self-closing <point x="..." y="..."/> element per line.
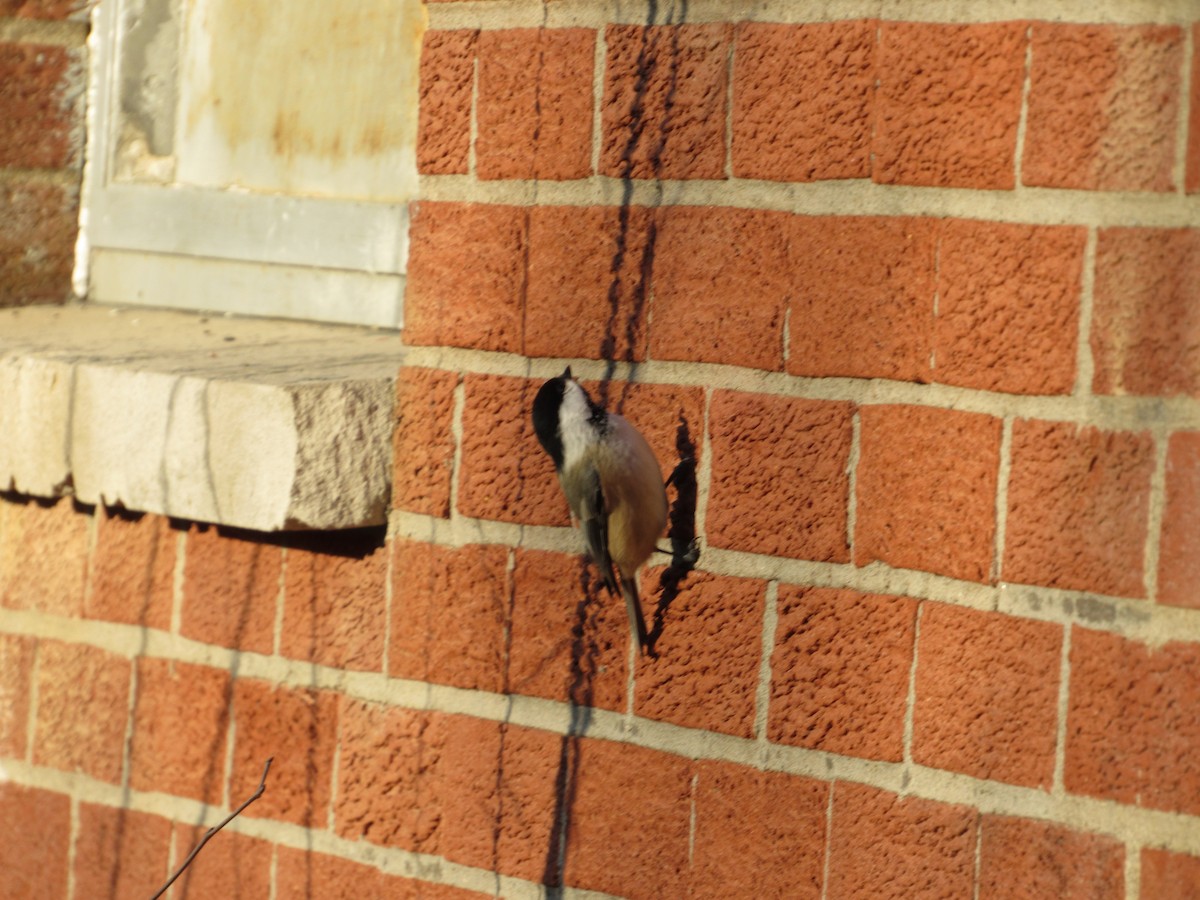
<point x="634" y="607"/>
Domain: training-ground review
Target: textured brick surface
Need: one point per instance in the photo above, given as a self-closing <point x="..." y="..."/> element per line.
<point x="1008" y="306"/>
<point x="1103" y="103"/>
<point x="466" y="276"/>
<point x="38" y="225"/>
<point x="565" y="642"/>
<point x="948" y="102"/>
<point x="41" y="89"/>
<point x="16" y="677"/>
<point x="618" y="784"/>
<point x="926" y="490"/>
<point x="589" y="270"/>
<point x="802" y="100"/>
<point x="181" y="715"/>
<point x="232" y="865"/>
<point x="133" y="570"/>
<point x="1192" y="174"/>
<point x="447" y="84"/>
<point x="987" y="695"/>
<point x="702" y="259"/>
<point x="297" y="729"/>
<point x="664" y="106"/>
<point x="82" y="710"/>
<point x="504" y="473"/>
<point x="335" y="604"/>
<point x="1166" y="874"/>
<point x="1145" y="328"/>
<point x="1179" y="547"/>
<point x="423" y="443"/>
<point x="1027" y="858"/>
<point x="862" y="297"/>
<point x="302" y="874"/>
<point x="120" y="852"/>
<point x="757" y="834"/>
<point x="43" y="556"/>
<point x="840" y="670"/>
<point x="535" y="103"/>
<point x="35" y="834"/>
<point x="230" y="589"/>
<point x="779" y="482"/>
<point x="1131" y="723"/>
<point x="43" y="9"/>
<point x="708" y="653"/>
<point x="450" y="610"/>
<point x="882" y="845"/>
<point x="1077" y="506"/>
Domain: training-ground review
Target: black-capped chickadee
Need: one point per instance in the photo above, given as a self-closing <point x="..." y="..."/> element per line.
<point x="612" y="481"/>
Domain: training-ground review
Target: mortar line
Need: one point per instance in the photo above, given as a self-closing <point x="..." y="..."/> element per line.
<point x="69" y="34"/>
<point x="598" y="63"/>
<point x="472" y="119"/>
<point x="281" y="605"/>
<point x="762" y="692"/>
<point x="704" y="474"/>
<point x="178" y="581"/>
<point x="1085" y="363"/>
<point x="828" y="841"/>
<point x="911" y="700"/>
<point x="456" y="431"/>
<point x="1154" y="517"/>
<point x="1133" y="870"/>
<point x="1002" y="478"/>
<point x="852" y="480"/>
<point x="1023" y="116"/>
<point x="1179" y="164"/>
<point x="978" y="852"/>
<point x="72" y="842"/>
<point x="31" y="714"/>
<point x="389" y="578"/>
<point x="730" y="62"/>
<point x="692" y="821"/>
<point x="273" y="871"/>
<point x="1063" y="708"/>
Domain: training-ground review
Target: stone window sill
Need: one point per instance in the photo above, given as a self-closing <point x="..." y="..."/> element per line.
<point x="259" y="424"/>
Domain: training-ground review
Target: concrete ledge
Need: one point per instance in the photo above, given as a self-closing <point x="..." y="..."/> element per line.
<point x="259" y="424"/>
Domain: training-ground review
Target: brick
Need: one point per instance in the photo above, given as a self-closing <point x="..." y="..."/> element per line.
<point x="450" y="609"/>
<point x="540" y="126"/>
<point x="447" y="84"/>
<point x="1078" y="499"/>
<point x="309" y="874"/>
<point x="702" y="257"/>
<point x="882" y="845"/>
<point x="926" y="490"/>
<point x="469" y="299"/>
<point x="38" y="226"/>
<point x="1103" y="103"/>
<point x="44" y="9"/>
<point x="16" y="677"/>
<point x="43" y="556"/>
<point x="705" y="671"/>
<point x="35" y="834"/>
<point x="616" y="784"/>
<point x="1179" y="546"/>
<point x="41" y="102"/>
<point x="862" y="297"/>
<point x="82" y="710"/>
<point x="230" y="589"/>
<point x="1192" y="158"/>
<point x="589" y="272"/>
<point x="1145" y="334"/>
<point x="566" y="644"/>
<point x="297" y="729"/>
<point x="766" y="823"/>
<point x="1131" y="723"/>
<point x="802" y="100"/>
<point x="423" y="441"/>
<point x="504" y="474"/>
<point x="987" y="695"/>
<point x="335" y="602"/>
<point x="232" y="865"/>
<point x="1008" y="306"/>
<point x="779" y="482"/>
<point x="133" y="570"/>
<point x="181" y="714"/>
<point x="663" y="112"/>
<point x="840" y="670"/>
<point x="1027" y="858"/>
<point x="120" y="852"/>
<point x="948" y="102"/>
<point x="1166" y="874"/>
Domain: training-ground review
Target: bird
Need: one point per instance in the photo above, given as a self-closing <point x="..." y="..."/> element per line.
<point x="612" y="482"/>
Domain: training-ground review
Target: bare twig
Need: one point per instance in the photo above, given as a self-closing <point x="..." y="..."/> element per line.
<point x="258" y="792"/>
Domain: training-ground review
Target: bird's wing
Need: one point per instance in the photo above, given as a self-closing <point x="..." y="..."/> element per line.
<point x="593" y="518"/>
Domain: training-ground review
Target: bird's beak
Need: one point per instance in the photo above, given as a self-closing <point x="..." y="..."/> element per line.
<point x="567" y="373"/>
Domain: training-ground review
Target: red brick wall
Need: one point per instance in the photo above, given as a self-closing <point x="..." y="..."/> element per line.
<point x="42" y="81"/>
<point x="922" y="299"/>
